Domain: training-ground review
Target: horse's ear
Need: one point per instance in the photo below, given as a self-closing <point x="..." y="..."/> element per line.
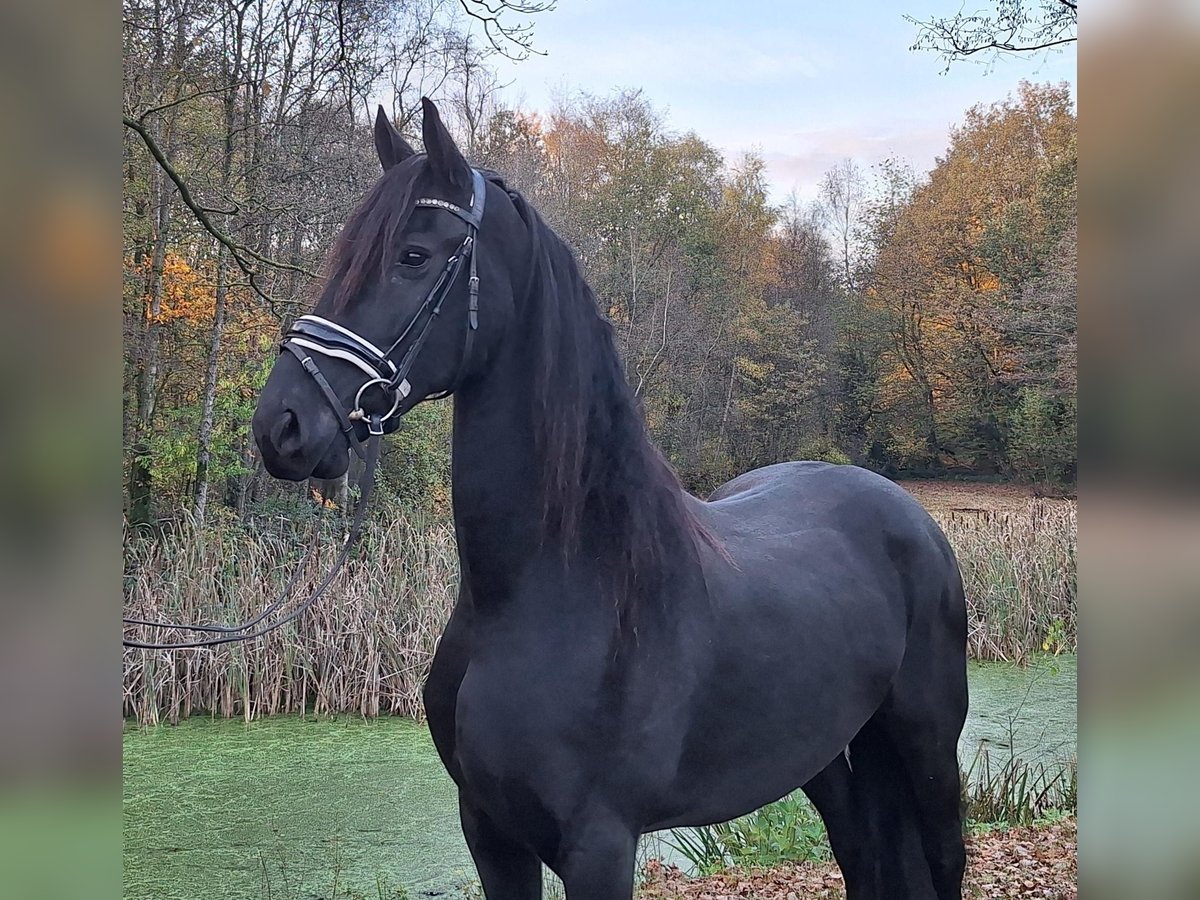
<point x="444" y="156"/>
<point x="390" y="146"/>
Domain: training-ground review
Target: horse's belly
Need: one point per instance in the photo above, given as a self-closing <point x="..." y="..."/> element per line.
<point x="783" y="700"/>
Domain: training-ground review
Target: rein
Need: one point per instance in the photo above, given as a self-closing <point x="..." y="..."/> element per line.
<point x="228" y="634"/>
<point x="327" y="338"/>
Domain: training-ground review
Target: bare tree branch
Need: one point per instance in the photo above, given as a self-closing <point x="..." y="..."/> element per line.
<point x="241" y="254"/>
<point x="513" y="42"/>
<point x="187" y="98"/>
<point x="1014" y="26"/>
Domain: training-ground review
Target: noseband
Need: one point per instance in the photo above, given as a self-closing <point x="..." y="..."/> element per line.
<point x="314" y="334"/>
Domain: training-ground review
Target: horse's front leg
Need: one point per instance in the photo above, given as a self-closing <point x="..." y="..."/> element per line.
<point x="507" y="870"/>
<point x="597" y="862"/>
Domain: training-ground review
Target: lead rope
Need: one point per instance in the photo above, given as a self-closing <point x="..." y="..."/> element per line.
<point x="229" y="634"/>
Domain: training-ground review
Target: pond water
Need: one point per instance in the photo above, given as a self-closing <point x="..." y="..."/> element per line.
<point x="289" y="808"/>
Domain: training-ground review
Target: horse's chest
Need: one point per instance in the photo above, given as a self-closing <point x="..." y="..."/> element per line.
<point x="517" y="747"/>
<point x="536" y="734"/>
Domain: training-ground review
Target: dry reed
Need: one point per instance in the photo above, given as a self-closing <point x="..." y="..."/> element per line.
<point x="366" y="647"/>
<point x="1019" y="571"/>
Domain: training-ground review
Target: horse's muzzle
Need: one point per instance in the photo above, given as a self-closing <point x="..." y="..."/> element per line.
<point x="295" y="446"/>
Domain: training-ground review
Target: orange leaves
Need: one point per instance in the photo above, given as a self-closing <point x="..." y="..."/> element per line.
<point x="321" y="500"/>
<point x="186" y="293"/>
<point x="189" y="297"/>
<point x="986" y="282"/>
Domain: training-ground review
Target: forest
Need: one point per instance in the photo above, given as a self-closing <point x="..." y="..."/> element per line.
<point x="921" y="324"/>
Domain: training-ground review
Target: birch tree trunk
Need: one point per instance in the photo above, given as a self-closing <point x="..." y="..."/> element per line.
<point x="141" y="489"/>
<point x="237" y="13"/>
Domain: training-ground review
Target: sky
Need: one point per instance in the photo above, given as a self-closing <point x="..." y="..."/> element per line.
<point x="803" y="84"/>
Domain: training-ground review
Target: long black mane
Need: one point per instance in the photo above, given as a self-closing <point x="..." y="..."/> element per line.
<point x="606" y="489"/>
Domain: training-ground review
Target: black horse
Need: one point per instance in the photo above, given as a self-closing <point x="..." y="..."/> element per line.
<point x="624" y="657"/>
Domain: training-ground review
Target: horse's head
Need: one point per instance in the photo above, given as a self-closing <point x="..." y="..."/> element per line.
<point x="420" y="292"/>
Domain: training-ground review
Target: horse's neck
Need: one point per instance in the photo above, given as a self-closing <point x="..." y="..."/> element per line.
<point x="498" y="473"/>
<point x="497" y="476"/>
<point x="496" y="494"/>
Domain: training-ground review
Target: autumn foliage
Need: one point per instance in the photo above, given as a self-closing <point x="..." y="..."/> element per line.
<point x="919" y="325"/>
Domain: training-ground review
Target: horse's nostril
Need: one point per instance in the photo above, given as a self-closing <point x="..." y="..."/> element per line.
<point x="285" y="434"/>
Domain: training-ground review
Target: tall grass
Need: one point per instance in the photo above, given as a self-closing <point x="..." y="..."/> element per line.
<point x="1019" y="571"/>
<point x="366" y="646"/>
<point x="1014" y="792"/>
<point x="788" y="830"/>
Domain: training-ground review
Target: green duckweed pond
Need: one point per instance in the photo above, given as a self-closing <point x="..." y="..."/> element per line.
<point x="304" y="808"/>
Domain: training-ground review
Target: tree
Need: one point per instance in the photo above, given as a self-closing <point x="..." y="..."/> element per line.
<point x="1043" y="437"/>
<point x="841" y="200"/>
<point x="897" y="289"/>
<point x="1013" y="26"/>
<point x="969" y="274"/>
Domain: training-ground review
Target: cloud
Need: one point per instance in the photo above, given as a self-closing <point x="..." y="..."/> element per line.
<point x="798" y="160"/>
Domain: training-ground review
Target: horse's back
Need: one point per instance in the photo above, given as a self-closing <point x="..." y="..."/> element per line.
<point x="787" y="500"/>
<point x="812" y="480"/>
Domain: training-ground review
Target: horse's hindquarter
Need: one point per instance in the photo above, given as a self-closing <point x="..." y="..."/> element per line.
<point x="810" y="627"/>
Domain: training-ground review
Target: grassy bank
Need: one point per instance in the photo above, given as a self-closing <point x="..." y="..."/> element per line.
<point x="999" y="792"/>
<point x="366" y="648"/>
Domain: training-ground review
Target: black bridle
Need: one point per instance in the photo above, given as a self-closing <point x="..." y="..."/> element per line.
<point x="326" y="338"/>
<point x="314" y="334"/>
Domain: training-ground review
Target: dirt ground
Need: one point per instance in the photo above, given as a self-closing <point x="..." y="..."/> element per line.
<point x="1036" y="862"/>
<point x="945" y="496"/>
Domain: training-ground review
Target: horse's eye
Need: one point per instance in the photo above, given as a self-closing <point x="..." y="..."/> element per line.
<point x="414" y="259"/>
